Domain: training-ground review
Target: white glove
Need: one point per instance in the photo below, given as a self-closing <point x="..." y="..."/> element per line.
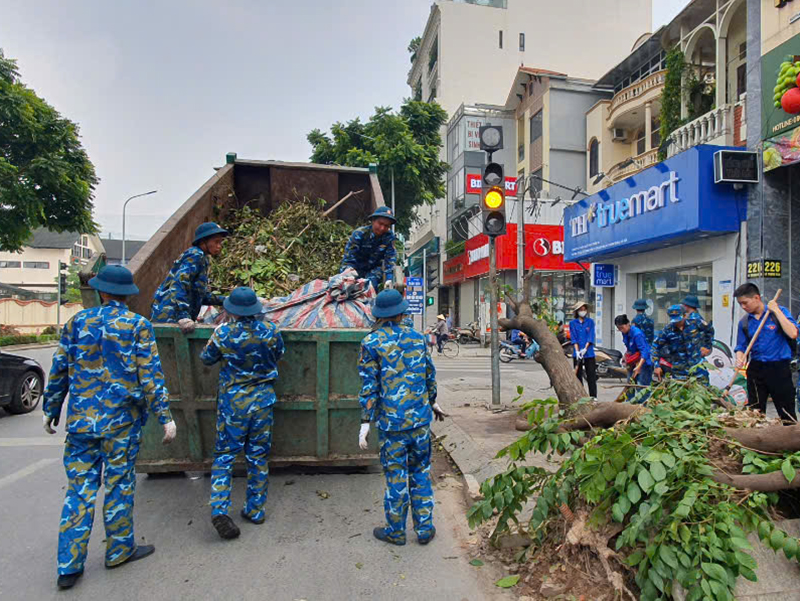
<point x="582" y="354"/>
<point x="170" y="430"/>
<point x="186" y="325"/>
<point x="388" y="285"/>
<point x="47" y="421"/>
<point x="438" y="414"/>
<point x="362" y="436"/>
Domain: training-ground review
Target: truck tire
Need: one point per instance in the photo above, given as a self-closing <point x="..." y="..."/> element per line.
<point x="27" y="393"/>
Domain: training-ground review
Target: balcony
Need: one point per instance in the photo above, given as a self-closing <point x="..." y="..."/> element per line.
<point x="640" y="163"/>
<point x="721" y="126"/>
<point x="647" y="89"/>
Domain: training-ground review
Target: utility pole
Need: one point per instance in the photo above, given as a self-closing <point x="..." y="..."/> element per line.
<point x="495" y="337"/>
<point x="424" y="286"/>
<point x="520" y="234"/>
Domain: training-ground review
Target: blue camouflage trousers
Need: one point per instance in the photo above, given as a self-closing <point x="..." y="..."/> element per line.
<point x="252" y="432"/>
<point x="86" y="458"/>
<point x="406" y="460"/>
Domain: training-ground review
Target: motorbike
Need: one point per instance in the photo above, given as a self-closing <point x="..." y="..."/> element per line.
<point x="469" y="334"/>
<point x="510" y="351"/>
<point x="609" y="361"/>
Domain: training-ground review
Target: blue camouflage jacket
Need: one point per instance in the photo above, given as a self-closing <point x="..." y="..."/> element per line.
<point x="372" y="257"/>
<point x="645" y="324"/>
<point x="676" y="347"/>
<point x="184" y="291"/>
<point x="701" y="332"/>
<point x="249" y="350"/>
<point x="107" y="360"/>
<point x="398" y="379"/>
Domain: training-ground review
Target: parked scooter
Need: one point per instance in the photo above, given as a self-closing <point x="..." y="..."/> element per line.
<point x="469" y="334"/>
<point x="609" y="361"/>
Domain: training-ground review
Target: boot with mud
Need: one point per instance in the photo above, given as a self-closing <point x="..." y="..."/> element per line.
<point x="225" y="526"/>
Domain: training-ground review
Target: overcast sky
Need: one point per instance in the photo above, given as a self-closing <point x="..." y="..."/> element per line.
<point x="162" y="90"/>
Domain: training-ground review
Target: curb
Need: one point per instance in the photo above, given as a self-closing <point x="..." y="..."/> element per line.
<point x="24" y="347"/>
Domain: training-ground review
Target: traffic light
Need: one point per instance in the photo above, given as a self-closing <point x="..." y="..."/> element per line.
<point x="62" y="281"/>
<point x="429" y="301"/>
<point x="493" y="200"/>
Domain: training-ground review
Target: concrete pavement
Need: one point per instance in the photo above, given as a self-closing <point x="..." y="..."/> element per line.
<point x="310" y="547"/>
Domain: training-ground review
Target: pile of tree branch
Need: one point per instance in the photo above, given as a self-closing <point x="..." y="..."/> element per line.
<point x="275" y="255"/>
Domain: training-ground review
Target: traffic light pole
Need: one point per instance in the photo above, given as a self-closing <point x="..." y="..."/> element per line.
<point x="58" y="301"/>
<point x="495" y="338"/>
<point x="424" y="287"/>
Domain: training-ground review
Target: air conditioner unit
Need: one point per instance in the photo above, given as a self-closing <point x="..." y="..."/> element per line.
<point x="618" y="134"/>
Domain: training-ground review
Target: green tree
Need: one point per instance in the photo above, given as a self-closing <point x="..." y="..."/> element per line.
<point x="413" y="48"/>
<point x="46" y="177"/>
<point x="407" y="142"/>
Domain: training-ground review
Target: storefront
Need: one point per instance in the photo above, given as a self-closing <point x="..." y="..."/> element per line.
<point x="668" y="231"/>
<point x="560" y="283"/>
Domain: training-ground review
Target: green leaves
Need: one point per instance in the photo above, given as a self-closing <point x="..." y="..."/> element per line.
<point x="508" y="581"/>
<point x="46" y="177"/>
<point x="634" y="493"/>
<point x="476" y="562"/>
<point x="788" y="470"/>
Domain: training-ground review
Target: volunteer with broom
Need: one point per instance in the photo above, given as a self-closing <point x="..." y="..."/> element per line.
<point x="768" y="373"/>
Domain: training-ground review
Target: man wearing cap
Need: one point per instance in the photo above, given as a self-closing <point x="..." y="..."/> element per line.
<point x="249" y="349"/>
<point x="637" y="359"/>
<point x="108" y="363"/>
<point x="642" y="321"/>
<point x="185" y="289"/>
<point x="701" y="332"/>
<point x="674" y="347"/>
<point x="581" y="333"/>
<point x="370" y="250"/>
<point x="398" y="394"/>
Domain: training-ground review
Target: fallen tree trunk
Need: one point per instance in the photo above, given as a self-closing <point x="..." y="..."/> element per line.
<point x="604" y="416"/>
<point x="772" y="439"/>
<point x="772" y="482"/>
<point x="567" y="387"/>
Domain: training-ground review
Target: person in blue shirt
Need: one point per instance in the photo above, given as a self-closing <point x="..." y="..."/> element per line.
<point x="674" y="349"/>
<point x="768" y="372"/>
<point x="638" y="359"/>
<point x="185" y="289"/>
<point x="398" y="395"/>
<point x="518" y="339"/>
<point x="370" y="250"/>
<point x="642" y="321"/>
<point x="249" y="350"/>
<point x="700" y="331"/>
<point x="107" y="362"/>
<point x="581" y="333"/>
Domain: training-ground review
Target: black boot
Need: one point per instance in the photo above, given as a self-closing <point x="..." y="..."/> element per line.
<point x="66" y="581"/>
<point x="225" y="526"/>
<point x="141" y="552"/>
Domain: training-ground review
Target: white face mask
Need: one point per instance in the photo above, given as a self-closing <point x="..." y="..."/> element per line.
<point x="582" y="313"/>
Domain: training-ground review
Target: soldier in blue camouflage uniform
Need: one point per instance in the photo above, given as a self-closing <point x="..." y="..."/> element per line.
<point x="249" y="349"/>
<point x="370" y="250"/>
<point x="701" y="332"/>
<point x="675" y="349"/>
<point x="108" y="362"/>
<point x="185" y="289"/>
<point x="398" y="394"/>
<point x="642" y="321"/>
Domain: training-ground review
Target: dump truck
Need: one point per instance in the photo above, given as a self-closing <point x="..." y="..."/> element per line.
<point x="317" y="415"/>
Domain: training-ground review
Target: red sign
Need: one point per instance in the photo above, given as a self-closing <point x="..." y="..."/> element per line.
<point x="544" y="250"/>
<point x="474" y="184"/>
<point x="454" y="269"/>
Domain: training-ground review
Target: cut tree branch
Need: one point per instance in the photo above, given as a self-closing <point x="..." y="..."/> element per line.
<point x="772" y="482"/>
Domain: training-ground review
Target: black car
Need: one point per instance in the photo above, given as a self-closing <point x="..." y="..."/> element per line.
<point x="21" y="383"/>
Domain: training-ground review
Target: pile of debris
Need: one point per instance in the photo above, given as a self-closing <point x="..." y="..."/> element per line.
<point x="274" y="255"/>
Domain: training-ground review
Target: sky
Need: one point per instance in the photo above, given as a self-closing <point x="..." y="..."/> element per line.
<point x="163" y="90"/>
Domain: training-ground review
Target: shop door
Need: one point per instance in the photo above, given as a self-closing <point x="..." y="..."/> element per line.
<point x="661" y="289"/>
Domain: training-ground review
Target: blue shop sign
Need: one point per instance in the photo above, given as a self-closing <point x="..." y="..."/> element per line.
<point x="675" y="200"/>
<point x="604" y="275"/>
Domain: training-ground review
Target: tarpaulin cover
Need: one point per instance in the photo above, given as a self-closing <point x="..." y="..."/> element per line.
<point x="343" y="301"/>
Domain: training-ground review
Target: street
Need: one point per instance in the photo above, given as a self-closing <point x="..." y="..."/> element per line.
<point x="310" y="547"/>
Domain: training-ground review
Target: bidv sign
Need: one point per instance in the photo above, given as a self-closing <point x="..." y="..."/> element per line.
<point x="542" y="247"/>
<point x="604" y="214"/>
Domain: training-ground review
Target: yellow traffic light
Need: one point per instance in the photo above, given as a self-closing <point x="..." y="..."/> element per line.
<point x="494" y="198"/>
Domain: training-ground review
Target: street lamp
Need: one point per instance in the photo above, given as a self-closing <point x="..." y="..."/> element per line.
<point x="124" y="206"/>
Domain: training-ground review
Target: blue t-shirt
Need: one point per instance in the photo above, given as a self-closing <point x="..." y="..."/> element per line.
<point x="772" y="343"/>
<point x="636" y="342"/>
<point x="580" y="333"/>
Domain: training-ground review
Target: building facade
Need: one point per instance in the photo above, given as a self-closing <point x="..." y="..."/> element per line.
<point x="471" y="49"/>
<point x="35" y="268"/>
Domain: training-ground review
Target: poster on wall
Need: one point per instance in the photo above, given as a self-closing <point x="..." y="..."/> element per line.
<point x="780" y="104"/>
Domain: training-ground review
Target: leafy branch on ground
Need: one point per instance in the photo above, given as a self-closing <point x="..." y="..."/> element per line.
<point x="644" y="495"/>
